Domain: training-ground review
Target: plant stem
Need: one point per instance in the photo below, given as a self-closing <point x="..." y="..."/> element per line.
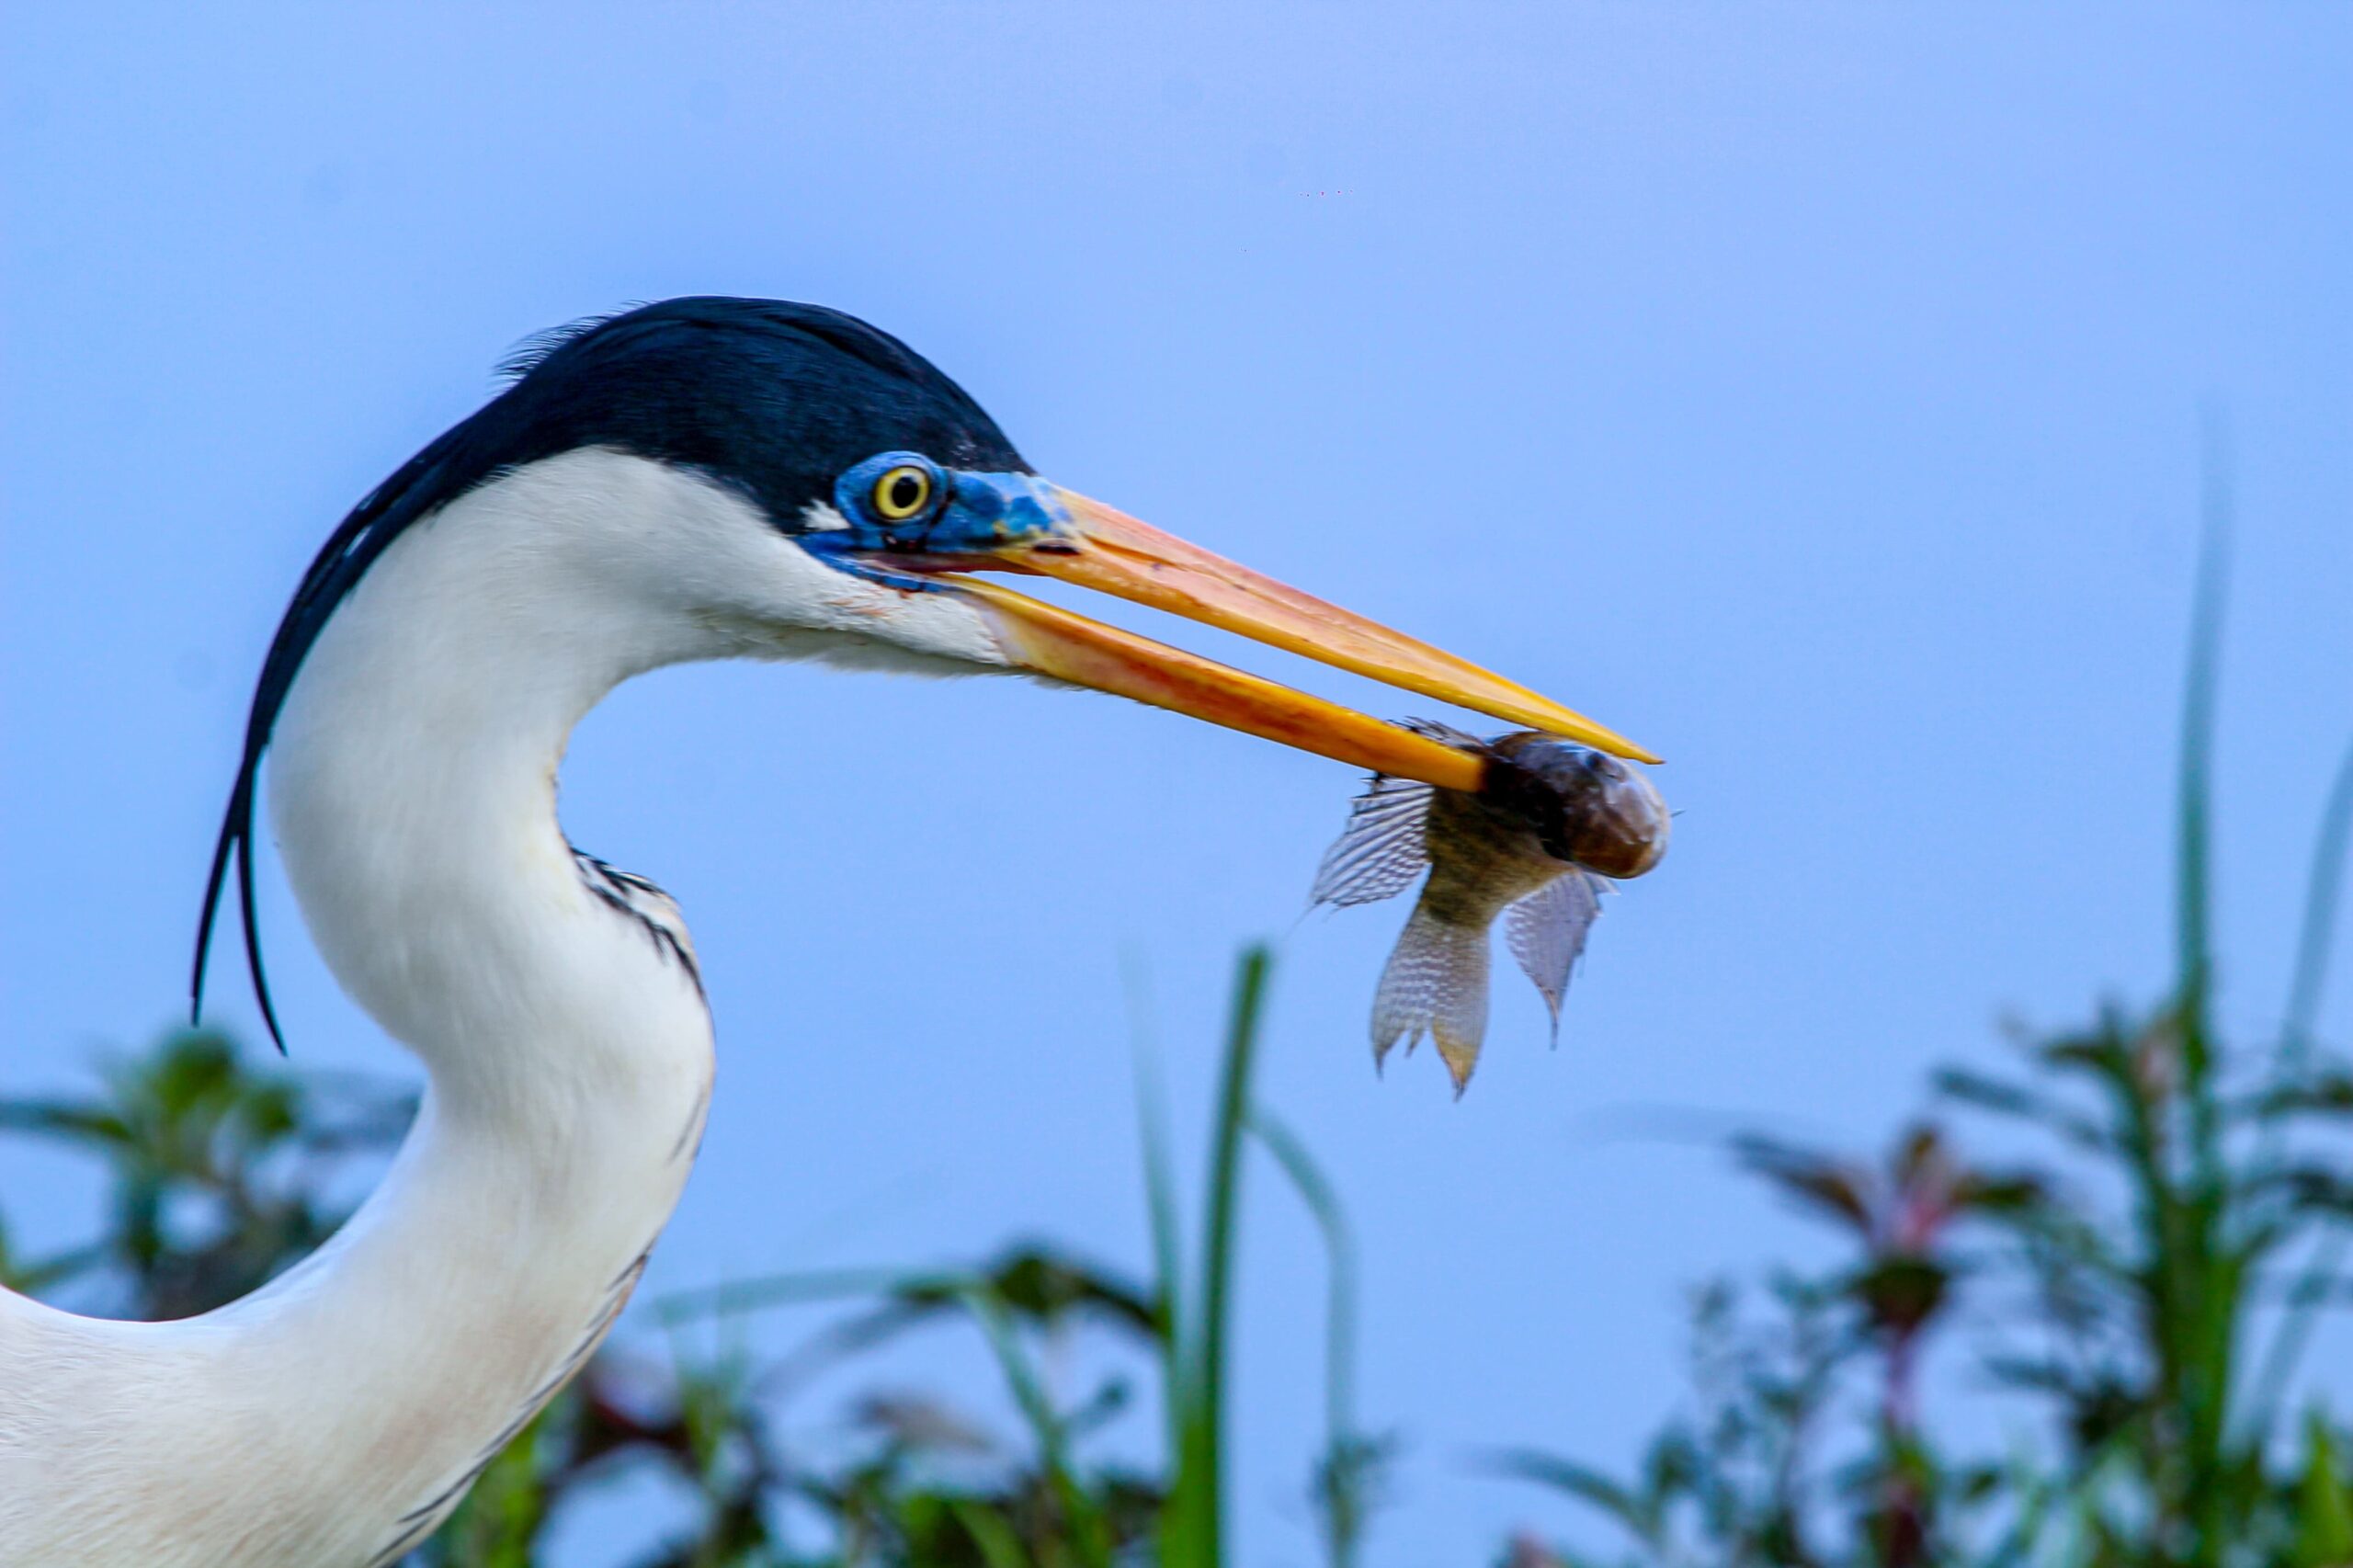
<point x="1342" y="1504"/>
<point x="1194" y="1536"/>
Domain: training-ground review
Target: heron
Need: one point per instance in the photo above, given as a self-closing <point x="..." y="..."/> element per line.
<point x="703" y="477"/>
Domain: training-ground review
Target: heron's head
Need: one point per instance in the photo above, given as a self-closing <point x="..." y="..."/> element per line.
<point x="867" y="491"/>
<point x="707" y="476"/>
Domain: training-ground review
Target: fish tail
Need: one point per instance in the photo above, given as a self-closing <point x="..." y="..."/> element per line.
<point x="1435" y="984"/>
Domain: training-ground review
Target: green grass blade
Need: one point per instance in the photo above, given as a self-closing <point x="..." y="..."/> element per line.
<point x="1339" y="1477"/>
<point x="2325" y="1523"/>
<point x="2193" y="892"/>
<point x="996" y="1541"/>
<point x="2323" y="891"/>
<point x="1193" y="1533"/>
<point x="2200" y="1307"/>
<point x="2308" y="1298"/>
<point x="814" y="1285"/>
<point x="1159" y="1174"/>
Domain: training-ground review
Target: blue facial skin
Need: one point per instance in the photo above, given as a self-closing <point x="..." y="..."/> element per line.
<point x="970" y="513"/>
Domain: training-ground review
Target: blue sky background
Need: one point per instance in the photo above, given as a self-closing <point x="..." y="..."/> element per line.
<point x="1812" y="390"/>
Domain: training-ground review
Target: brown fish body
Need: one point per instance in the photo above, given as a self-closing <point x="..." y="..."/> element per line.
<point x="1532" y="847"/>
<point x="1482" y="857"/>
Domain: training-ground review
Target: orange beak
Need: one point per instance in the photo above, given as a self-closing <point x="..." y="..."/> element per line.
<point x="1111" y="553"/>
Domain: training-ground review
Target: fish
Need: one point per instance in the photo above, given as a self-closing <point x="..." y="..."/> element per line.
<point x="1550" y="828"/>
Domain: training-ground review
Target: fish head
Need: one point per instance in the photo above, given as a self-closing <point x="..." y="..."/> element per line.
<point x="1584" y="806"/>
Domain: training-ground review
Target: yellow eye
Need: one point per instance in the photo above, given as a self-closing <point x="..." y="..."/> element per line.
<point x="901" y="492"/>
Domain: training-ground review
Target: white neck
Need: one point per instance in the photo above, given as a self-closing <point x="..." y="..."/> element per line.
<point x="332" y="1418"/>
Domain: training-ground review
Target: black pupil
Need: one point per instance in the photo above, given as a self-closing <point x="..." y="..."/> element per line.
<point x="906" y="491"/>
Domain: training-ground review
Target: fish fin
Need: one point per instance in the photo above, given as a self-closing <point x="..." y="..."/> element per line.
<point x="1546" y="932"/>
<point x="1381" y="851"/>
<point x="1435" y="983"/>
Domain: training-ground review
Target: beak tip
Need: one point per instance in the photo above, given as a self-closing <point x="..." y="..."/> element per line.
<point x="1578" y="728"/>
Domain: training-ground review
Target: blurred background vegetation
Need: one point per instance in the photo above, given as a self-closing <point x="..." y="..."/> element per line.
<point x="2140" y="1268"/>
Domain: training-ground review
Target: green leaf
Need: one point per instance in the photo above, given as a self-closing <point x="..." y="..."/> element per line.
<point x="1838" y="1188"/>
<point x="998" y="1542"/>
<point x="1581" y="1482"/>
<point x="1900" y="1294"/>
<point x="2324" y="1517"/>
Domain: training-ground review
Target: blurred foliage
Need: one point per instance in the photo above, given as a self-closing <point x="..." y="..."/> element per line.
<point x="218" y="1176"/>
<point x="2143" y="1279"/>
<point x="2139" y="1276"/>
<point x="221" y="1173"/>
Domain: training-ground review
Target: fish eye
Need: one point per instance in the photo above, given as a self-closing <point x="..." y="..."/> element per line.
<point x="901" y="492"/>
